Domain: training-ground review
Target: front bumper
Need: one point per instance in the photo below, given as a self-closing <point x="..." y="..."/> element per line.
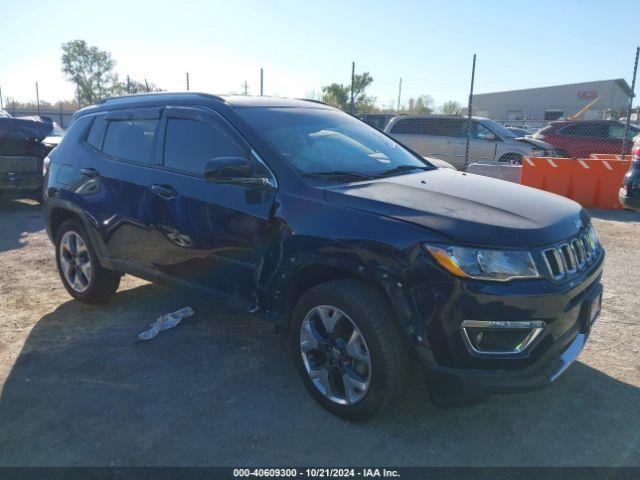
<point x="630" y="203"/>
<point x="12" y="185"/>
<point x="458" y="375"/>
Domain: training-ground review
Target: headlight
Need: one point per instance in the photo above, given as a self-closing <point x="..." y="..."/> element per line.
<point x="539" y="153"/>
<point x="482" y="264"/>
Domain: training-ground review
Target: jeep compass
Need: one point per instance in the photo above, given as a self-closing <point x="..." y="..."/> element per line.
<point x="370" y="257"/>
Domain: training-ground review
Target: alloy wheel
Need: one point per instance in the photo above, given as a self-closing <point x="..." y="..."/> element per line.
<point x="75" y="261"/>
<point x="335" y="355"/>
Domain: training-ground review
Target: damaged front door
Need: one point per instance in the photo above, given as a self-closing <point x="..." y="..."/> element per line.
<point x="215" y="235"/>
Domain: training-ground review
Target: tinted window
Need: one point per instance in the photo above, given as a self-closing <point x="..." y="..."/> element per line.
<point x="440" y="127"/>
<point x="617" y="131"/>
<point x="585" y="130"/>
<point x="189" y="144"/>
<point x="130" y="140"/>
<point x="94" y="138"/>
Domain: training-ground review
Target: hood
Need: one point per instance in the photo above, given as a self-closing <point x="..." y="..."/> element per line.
<point x="535" y="143"/>
<point x="468" y="208"/>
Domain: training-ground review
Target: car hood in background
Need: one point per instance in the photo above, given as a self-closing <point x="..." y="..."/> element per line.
<point x="535" y="143"/>
<point x="468" y="208"/>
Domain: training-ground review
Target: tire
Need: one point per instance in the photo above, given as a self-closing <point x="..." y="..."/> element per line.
<point x="511" y="158"/>
<point x="358" y="308"/>
<point x="93" y="285"/>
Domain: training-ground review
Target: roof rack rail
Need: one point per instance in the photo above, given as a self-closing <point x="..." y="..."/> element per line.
<point x="314" y="101"/>
<point x="148" y="94"/>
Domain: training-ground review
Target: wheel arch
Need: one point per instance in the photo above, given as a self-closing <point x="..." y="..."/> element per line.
<point x="307" y="276"/>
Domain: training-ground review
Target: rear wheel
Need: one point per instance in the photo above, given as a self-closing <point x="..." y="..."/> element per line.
<point x="78" y="266"/>
<point x="348" y="350"/>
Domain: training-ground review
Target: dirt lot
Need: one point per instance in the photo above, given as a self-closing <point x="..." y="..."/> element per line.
<point x="78" y="389"/>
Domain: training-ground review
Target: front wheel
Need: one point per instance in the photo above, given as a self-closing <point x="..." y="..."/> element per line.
<point x="348" y="350"/>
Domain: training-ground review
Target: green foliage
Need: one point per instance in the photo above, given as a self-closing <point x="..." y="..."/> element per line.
<point x="131" y="86"/>
<point x="451" y="108"/>
<point x="339" y="95"/>
<point x="91" y="69"/>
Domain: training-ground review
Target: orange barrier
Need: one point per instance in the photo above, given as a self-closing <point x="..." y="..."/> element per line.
<point x="609" y="156"/>
<point x="592" y="182"/>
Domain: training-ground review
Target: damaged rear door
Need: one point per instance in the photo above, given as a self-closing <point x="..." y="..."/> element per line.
<point x="214" y="235"/>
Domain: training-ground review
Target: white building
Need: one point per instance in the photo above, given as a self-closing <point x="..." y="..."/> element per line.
<point x="537" y="106"/>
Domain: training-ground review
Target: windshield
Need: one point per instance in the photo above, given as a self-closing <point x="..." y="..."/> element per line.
<point x="499" y="129"/>
<point x="317" y="141"/>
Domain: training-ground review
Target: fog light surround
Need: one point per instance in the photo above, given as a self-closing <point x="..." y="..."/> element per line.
<point x="484" y="337"/>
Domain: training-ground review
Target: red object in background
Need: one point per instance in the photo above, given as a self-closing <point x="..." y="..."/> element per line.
<point x="592" y="182"/>
<point x="581" y="138"/>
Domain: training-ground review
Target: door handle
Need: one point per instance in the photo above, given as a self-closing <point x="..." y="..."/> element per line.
<point x="89" y="172"/>
<point x="164" y="191"/>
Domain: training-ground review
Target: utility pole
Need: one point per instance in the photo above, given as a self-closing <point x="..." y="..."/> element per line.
<point x="187" y="81"/>
<point x="469" y="110"/>
<point x="146" y="84"/>
<point x="246" y="87"/>
<point x="37" y="99"/>
<point x="261" y="82"/>
<point x="353" y="81"/>
<point x="399" y="94"/>
<point x="633" y="94"/>
<point x="128" y="85"/>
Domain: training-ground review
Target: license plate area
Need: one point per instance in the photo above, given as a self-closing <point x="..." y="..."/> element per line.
<point x="593" y="312"/>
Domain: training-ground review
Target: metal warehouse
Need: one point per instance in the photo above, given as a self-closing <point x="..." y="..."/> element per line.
<point x="537" y="106"/>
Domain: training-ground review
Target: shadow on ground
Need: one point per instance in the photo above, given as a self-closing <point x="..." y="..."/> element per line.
<point x="616" y="215"/>
<point x="19" y="218"/>
<point x="220" y="390"/>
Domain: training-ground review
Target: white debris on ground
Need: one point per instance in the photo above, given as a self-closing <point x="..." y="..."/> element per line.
<point x="165" y="322"/>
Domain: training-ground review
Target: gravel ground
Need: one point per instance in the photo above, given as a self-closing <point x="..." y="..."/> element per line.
<point x="79" y="390"/>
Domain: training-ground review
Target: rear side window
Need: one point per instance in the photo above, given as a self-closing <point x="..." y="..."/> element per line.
<point x="189" y="144"/>
<point x="585" y="130"/>
<point x="94" y="138"/>
<point x="130" y="139"/>
<point x="439" y="127"/>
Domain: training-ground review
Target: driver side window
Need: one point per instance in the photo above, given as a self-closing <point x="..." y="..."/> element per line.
<point x="189" y="144"/>
<point x="482" y="133"/>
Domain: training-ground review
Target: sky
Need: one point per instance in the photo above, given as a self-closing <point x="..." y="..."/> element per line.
<point x="303" y="45"/>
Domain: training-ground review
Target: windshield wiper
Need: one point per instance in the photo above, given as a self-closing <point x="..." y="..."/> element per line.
<point x="338" y="173"/>
<point x="403" y="168"/>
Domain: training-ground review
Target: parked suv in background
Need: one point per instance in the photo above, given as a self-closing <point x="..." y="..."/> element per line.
<point x="22" y="151"/>
<point x="630" y="191"/>
<point x="445" y="137"/>
<point x="581" y="138"/>
<point x="310" y="218"/>
<point x="377" y="120"/>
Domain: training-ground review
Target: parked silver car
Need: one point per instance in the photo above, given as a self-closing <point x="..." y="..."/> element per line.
<point x="445" y="137"/>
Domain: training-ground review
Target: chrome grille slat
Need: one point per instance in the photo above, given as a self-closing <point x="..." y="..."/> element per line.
<point x="568" y="258"/>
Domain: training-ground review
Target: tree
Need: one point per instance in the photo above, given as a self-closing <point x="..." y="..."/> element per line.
<point x="451" y="108"/>
<point x="339" y="95"/>
<point x="336" y="95"/>
<point x="131" y="86"/>
<point x="91" y="69"/>
<point x="419" y="106"/>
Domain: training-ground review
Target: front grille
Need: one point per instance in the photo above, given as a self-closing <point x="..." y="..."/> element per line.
<point x="18" y="165"/>
<point x="566" y="259"/>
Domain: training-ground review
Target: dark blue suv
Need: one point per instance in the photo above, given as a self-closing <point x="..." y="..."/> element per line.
<point x="367" y="254"/>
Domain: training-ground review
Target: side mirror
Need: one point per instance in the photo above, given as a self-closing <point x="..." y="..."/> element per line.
<point x="232" y="170"/>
